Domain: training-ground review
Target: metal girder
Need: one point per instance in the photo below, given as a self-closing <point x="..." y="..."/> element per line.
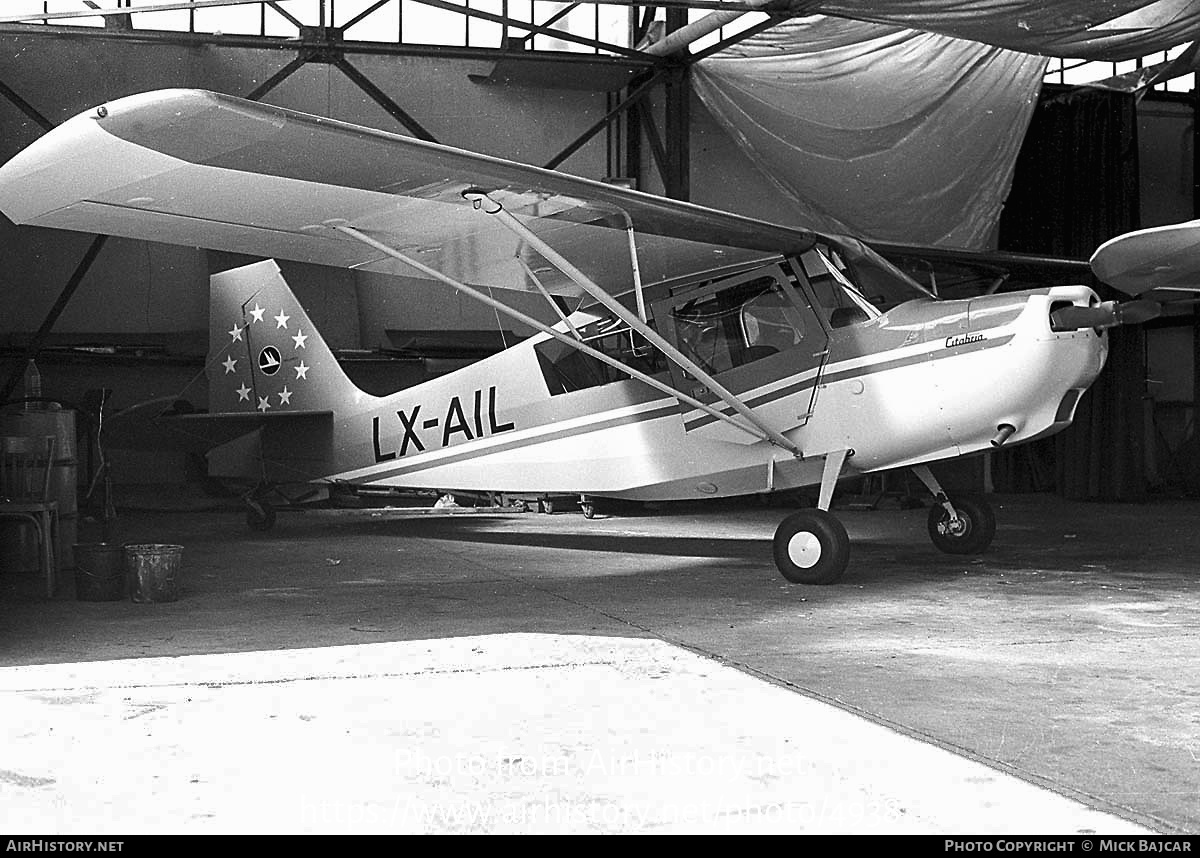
<point x="536" y="28"/>
<point x="278" y="78"/>
<point x="292" y="18"/>
<point x="633" y="98"/>
<point x="555" y="18"/>
<point x="752" y="30"/>
<point x="25" y="107"/>
<point x="324" y="46"/>
<point x="383" y="100"/>
<point x="35" y="345"/>
<point x="657" y="152"/>
<point x="180" y="5"/>
<point x="370" y="10"/>
<point x="393" y="49"/>
<point x="677" y="106"/>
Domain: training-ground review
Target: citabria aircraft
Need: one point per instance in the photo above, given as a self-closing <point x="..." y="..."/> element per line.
<point x="696" y="353"/>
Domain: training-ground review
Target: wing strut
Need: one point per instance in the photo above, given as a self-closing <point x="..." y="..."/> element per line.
<point x="751" y="429"/>
<point x="477" y="198"/>
<point x="549" y="298"/>
<point x="637" y="271"/>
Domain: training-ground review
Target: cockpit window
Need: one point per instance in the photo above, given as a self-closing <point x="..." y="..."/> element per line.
<point x="736" y="325"/>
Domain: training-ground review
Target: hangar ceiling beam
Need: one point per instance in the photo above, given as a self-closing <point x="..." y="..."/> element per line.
<point x="182" y="5"/>
<point x="553" y="19"/>
<point x="679" y="37"/>
<point x="752" y="30"/>
<point x="539" y="29"/>
<point x="279" y="43"/>
<point x="292" y="19"/>
<point x="374" y="7"/>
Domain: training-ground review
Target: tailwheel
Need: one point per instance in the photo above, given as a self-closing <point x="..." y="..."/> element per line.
<point x="811" y="547"/>
<point x="970" y="532"/>
<point x="259" y="515"/>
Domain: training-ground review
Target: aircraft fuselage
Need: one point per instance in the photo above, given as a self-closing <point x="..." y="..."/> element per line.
<point x="925" y="381"/>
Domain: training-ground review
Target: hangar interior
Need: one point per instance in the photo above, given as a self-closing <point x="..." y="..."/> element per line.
<point x="981" y="147"/>
<point x="570" y="90"/>
<point x="565" y="86"/>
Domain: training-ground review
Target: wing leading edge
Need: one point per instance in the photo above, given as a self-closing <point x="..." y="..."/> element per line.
<point x="199" y="168"/>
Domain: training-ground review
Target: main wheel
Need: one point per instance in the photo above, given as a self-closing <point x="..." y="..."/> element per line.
<point x="971" y="534"/>
<point x="260" y="516"/>
<point x="811" y="547"/>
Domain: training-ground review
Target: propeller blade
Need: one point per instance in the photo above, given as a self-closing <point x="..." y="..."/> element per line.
<point x="1136" y="312"/>
<point x="1110" y="314"/>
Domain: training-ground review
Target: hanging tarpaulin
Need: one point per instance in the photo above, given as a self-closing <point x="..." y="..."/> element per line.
<point x="892" y="134"/>
<point x="1084" y="29"/>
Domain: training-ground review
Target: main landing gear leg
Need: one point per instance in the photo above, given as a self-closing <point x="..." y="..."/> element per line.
<point x="965" y="525"/>
<point x="811" y="546"/>
<point x="260" y="514"/>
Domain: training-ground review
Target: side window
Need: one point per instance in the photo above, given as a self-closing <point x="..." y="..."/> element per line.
<point x="737" y="324"/>
<point x="769" y="321"/>
<point x="566" y="369"/>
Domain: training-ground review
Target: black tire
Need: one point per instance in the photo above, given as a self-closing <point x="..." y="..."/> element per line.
<point x="260" y="516"/>
<point x="974" y="532"/>
<point x="811" y="547"/>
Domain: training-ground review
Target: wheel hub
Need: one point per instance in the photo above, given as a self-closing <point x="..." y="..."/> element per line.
<point x="956" y="527"/>
<point x="804" y="549"/>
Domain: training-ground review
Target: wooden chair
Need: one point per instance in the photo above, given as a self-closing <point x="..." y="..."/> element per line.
<point x="25" y="465"/>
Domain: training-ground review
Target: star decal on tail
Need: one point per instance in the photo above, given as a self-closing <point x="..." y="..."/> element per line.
<point x="284" y="367"/>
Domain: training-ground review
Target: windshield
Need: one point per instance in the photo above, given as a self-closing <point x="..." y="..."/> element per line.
<point x="865" y="276"/>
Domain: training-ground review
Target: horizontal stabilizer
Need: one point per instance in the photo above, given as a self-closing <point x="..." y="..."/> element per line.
<point x="167" y="424"/>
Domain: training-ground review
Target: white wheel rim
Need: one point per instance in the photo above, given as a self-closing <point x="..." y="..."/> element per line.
<point x="804" y="549"/>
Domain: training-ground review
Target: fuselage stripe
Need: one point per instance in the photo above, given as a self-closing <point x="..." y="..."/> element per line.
<point x="854" y="372"/>
<point x="417" y="465"/>
<point x="472" y="451"/>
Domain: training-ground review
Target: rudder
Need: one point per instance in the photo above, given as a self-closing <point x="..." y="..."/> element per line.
<point x="264" y="353"/>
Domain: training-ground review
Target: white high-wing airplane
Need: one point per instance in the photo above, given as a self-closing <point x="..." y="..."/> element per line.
<point x="697" y="353"/>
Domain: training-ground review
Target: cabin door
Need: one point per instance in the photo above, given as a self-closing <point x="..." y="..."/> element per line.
<point x="757" y="335"/>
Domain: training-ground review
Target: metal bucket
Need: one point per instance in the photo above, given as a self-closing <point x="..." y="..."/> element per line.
<point x="153" y="571"/>
<point x="99" y="572"/>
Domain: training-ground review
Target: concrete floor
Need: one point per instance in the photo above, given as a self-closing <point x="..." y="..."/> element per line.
<point x="470" y="664"/>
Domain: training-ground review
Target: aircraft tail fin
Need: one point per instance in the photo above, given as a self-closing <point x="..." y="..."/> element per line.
<point x="264" y="353"/>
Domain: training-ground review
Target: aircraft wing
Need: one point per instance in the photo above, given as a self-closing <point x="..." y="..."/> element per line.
<point x="198" y="168"/>
<point x="1161" y="263"/>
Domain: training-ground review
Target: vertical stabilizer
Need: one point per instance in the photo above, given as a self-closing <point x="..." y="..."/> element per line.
<point x="264" y="353"/>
